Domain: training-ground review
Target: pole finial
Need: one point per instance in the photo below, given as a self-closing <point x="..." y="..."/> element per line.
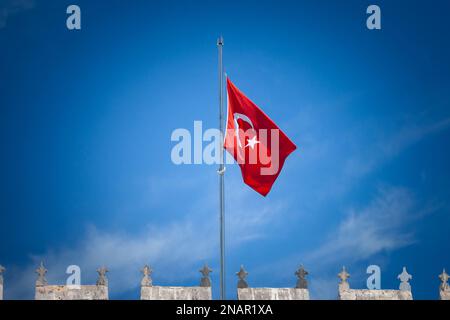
<point x="220" y="41"/>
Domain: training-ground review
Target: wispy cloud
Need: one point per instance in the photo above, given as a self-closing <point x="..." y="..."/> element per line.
<point x="172" y="247"/>
<point x="387" y="146"/>
<point x="175" y="249"/>
<point x="352" y="153"/>
<point x="383" y="225"/>
<point x="10" y="7"/>
<point x="180" y="247"/>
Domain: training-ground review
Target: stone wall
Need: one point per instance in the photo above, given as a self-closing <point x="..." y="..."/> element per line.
<point x="445" y="295"/>
<point x="300" y="292"/>
<point x="176" y="293"/>
<point x="404" y="292"/>
<point x="366" y="294"/>
<point x="2" y="269"/>
<point x="150" y="292"/>
<point x="444" y="288"/>
<point x="99" y="291"/>
<point x="58" y="292"/>
<point x="273" y="294"/>
<point x="43" y="291"/>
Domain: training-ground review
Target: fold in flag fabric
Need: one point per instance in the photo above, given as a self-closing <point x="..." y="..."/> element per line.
<point x="255" y="141"/>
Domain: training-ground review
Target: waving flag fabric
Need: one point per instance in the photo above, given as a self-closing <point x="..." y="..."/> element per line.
<point x="255" y="141"/>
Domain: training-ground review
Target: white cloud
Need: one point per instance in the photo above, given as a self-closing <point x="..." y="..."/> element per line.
<point x="383" y="225"/>
<point x="175" y="250"/>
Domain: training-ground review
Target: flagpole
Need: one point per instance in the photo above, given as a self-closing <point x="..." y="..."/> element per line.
<point x="221" y="174"/>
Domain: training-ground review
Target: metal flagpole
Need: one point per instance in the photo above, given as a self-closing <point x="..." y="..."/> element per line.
<point x="221" y="174"/>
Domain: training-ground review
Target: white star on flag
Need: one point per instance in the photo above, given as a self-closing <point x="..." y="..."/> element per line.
<point x="251" y="142"/>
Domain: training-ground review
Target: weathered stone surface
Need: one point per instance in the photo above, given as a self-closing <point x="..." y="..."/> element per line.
<point x="2" y="269"/>
<point x="147" y="280"/>
<point x="242" y="274"/>
<point x="102" y="279"/>
<point x="272" y="294"/>
<point x="444" y="288"/>
<point x="445" y="295"/>
<point x="345" y="293"/>
<point x="41" y="271"/>
<point x="365" y="294"/>
<point x="343" y="284"/>
<point x="404" y="277"/>
<point x="176" y="293"/>
<point x="85" y="292"/>
<point x="301" y="274"/>
<point x="205" y="281"/>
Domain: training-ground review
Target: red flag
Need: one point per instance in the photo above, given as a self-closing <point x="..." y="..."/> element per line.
<point x="255" y="141"/>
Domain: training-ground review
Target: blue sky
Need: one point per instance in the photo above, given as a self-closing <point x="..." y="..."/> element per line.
<point x="86" y="120"/>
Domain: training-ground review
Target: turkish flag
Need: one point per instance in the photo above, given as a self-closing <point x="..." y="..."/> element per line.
<point x="255" y="141"/>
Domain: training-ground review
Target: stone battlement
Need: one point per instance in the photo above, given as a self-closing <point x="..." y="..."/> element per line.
<point x="1" y="282"/>
<point x="366" y="294"/>
<point x="300" y="292"/>
<point x="150" y="292"/>
<point x="99" y="291"/>
<point x="273" y="294"/>
<point x="404" y="292"/>
<point x="71" y="292"/>
<point x="444" y="288"/>
<point x="176" y="293"/>
<point x="85" y="292"/>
